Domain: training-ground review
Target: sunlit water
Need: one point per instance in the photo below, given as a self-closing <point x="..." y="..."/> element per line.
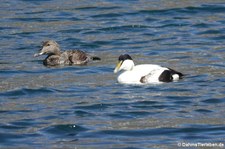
<point x="84" y="106"/>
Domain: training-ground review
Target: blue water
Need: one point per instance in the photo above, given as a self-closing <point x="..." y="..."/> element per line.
<point x="84" y="106"/>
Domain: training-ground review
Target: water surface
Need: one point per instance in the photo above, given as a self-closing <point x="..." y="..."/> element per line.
<point x="84" y="106"/>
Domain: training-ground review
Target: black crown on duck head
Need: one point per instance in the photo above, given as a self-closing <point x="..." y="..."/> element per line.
<point x="124" y="57"/>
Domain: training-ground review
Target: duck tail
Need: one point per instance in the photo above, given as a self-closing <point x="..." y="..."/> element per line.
<point x="95" y="58"/>
<point x="174" y="72"/>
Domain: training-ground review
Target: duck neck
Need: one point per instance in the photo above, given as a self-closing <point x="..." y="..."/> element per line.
<point x="128" y="65"/>
<point x="57" y="51"/>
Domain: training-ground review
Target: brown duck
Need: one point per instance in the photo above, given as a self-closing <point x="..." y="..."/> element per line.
<point x="56" y="57"/>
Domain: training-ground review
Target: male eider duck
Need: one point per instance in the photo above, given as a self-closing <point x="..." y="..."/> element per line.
<point x="145" y="73"/>
<point x="56" y="57"/>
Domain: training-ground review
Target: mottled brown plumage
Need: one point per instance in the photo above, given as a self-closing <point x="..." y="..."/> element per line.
<point x="56" y="57"/>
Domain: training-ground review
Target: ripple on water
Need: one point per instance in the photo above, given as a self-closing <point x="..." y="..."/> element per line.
<point x="213" y="101"/>
<point x="193" y="133"/>
<point x="19" y="131"/>
<point x="64" y="132"/>
<point x="26" y="92"/>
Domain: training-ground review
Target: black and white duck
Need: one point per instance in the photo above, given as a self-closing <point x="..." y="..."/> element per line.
<point x="144" y="73"/>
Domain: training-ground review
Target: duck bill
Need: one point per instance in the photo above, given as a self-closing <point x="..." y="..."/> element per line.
<point x="118" y="67"/>
<point x="38" y="54"/>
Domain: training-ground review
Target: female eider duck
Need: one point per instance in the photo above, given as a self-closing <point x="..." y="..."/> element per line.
<point x="56" y="57"/>
<point x="145" y="73"/>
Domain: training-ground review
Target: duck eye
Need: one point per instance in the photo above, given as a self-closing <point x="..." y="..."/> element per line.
<point x="48" y="44"/>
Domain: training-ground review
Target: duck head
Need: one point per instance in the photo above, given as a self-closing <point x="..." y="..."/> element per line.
<point x="125" y="62"/>
<point x="49" y="48"/>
